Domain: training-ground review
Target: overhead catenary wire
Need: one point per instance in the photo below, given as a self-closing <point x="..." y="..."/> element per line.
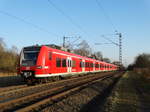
<point x="75" y="40"/>
<point x="27" y="22"/>
<point x="106" y="14"/>
<point x="67" y="17"/>
<point x="102" y="43"/>
<point x="116" y="32"/>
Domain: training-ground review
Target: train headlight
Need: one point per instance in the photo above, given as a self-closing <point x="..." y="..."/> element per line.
<point x="39" y="67"/>
<point x="27" y="74"/>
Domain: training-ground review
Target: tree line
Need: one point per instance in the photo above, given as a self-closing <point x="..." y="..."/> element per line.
<point x="142" y="61"/>
<point x="8" y="57"/>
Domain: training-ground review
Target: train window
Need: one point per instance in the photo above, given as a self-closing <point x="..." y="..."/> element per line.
<point x="69" y="63"/>
<point x="97" y="65"/>
<point x="80" y="63"/>
<point x="58" y="62"/>
<point x="73" y="63"/>
<point x="86" y="64"/>
<point x="64" y="63"/>
<point x="92" y="65"/>
<point x="83" y="64"/>
<point x="50" y="56"/>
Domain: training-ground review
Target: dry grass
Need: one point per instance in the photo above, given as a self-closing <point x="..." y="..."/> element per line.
<point x="7" y="74"/>
<point x="145" y="72"/>
<point x="131" y="94"/>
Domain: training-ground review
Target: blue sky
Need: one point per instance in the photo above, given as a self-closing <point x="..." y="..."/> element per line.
<point x="130" y="17"/>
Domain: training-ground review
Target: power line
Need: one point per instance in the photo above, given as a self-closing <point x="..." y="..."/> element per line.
<point x="67" y="16"/>
<point x="117" y="44"/>
<point x="106" y="14"/>
<point x="75" y="40"/>
<point x="110" y="40"/>
<point x="27" y="22"/>
<point x="64" y="40"/>
<point x="102" y="43"/>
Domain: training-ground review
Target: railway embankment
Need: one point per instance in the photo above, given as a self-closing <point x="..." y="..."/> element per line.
<point x="131" y="94"/>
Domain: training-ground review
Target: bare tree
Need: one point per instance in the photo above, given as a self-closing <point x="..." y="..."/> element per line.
<point x="142" y="61"/>
<point x="83" y="49"/>
<point x="106" y="60"/>
<point x="98" y="55"/>
<point x="8" y="58"/>
<point x="14" y="50"/>
<point x="116" y="63"/>
<point x="2" y="45"/>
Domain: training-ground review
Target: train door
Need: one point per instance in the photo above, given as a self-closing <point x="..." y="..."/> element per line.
<point x="94" y="64"/>
<point x="69" y="64"/>
<point x="83" y="65"/>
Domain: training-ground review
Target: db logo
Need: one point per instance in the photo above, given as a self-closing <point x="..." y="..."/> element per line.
<point x="27" y="68"/>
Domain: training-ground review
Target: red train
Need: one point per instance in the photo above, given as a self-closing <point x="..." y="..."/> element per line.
<point x="40" y="62"/>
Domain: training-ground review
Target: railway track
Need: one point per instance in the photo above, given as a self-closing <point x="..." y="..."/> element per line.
<point x="36" y="97"/>
<point x="27" y="90"/>
<point x="6" y="89"/>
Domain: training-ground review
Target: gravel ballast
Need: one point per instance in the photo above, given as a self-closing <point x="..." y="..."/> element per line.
<point x="89" y="99"/>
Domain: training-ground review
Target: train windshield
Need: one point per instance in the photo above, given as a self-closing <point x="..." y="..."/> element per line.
<point x="30" y="55"/>
<point x="29" y="58"/>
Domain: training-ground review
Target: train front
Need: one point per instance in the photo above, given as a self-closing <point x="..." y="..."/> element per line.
<point x="28" y="60"/>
